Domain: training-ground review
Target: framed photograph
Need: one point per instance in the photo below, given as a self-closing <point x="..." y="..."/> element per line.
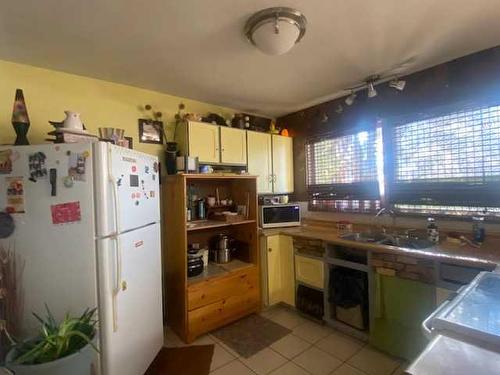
<point x="150" y="131"/>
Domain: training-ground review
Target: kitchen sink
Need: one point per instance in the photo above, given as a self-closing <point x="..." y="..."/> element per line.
<point x="391" y="240"/>
<point x="364" y="237"/>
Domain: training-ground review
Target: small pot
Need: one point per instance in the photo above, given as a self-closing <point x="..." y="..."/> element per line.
<point x="79" y="363"/>
<point x="222" y="256"/>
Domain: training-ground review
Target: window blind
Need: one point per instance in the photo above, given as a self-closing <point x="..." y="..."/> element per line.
<point x="342" y="171"/>
<point x="447" y="162"/>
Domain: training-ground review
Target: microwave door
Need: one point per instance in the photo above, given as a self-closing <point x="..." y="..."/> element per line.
<point x="280" y="216"/>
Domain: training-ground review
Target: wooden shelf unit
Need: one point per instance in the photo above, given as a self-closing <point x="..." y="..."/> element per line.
<point x="223" y="293"/>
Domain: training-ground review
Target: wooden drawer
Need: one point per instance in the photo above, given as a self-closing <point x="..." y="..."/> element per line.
<point x="210" y="291"/>
<point x="217" y="314"/>
<point x="309" y="271"/>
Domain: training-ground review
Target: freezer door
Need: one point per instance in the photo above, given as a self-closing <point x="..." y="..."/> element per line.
<point x="126" y="189"/>
<point x="130" y="295"/>
<point x="57" y="249"/>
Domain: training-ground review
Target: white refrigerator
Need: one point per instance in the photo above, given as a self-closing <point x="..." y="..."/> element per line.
<point x="87" y="228"/>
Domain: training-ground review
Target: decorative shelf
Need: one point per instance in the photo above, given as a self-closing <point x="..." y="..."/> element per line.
<point x="209" y="224"/>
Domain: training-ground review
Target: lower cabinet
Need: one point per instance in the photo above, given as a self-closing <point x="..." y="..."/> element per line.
<point x="217" y="302"/>
<point x="400" y="307"/>
<point x="278" y="280"/>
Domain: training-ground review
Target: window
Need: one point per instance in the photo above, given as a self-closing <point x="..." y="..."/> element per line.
<point x="448" y="164"/>
<point x="342" y="172"/>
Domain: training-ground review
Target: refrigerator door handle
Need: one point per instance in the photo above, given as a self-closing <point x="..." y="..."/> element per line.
<point x="116" y="201"/>
<point x="117" y="281"/>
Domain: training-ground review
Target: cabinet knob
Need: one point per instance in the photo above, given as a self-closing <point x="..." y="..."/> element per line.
<point x="270" y="250"/>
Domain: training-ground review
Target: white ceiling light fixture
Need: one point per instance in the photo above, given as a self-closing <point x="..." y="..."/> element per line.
<point x="276" y="30"/>
<point x="397" y="84"/>
<point x="350" y="99"/>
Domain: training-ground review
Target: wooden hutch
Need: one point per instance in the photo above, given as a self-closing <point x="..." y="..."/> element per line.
<point x="224" y="292"/>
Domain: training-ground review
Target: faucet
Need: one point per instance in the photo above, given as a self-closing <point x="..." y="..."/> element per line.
<point x="385" y="210"/>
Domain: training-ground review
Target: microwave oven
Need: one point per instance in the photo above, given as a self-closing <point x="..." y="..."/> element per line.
<point x="279" y="215"/>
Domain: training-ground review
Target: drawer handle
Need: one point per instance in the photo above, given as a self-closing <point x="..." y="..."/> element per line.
<point x="270" y="250"/>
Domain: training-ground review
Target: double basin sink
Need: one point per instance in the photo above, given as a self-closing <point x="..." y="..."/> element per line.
<point x="403" y="241"/>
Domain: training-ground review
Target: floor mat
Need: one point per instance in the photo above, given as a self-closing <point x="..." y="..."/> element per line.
<point x="190" y="360"/>
<point x="251" y="334"/>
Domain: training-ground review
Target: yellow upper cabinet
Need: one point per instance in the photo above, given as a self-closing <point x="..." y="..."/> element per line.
<point x="204" y="142"/>
<point x="260" y="160"/>
<point x="282" y="164"/>
<point x="233" y="145"/>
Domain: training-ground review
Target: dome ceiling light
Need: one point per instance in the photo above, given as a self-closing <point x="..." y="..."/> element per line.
<point x="276" y="30"/>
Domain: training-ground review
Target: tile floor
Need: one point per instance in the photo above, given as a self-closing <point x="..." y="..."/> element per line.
<point x="310" y="349"/>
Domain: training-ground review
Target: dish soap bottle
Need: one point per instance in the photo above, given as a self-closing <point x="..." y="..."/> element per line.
<point x="432" y="230"/>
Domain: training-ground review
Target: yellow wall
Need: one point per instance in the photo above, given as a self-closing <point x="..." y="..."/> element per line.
<point x="101" y="104"/>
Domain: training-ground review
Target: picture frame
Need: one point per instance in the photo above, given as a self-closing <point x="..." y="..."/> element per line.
<point x="150" y="131"/>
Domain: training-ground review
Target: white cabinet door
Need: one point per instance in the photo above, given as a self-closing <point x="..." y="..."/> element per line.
<point x="204" y="142"/>
<point x="260" y="160"/>
<point x="274" y="283"/>
<point x="233" y="145"/>
<point x="282" y="164"/>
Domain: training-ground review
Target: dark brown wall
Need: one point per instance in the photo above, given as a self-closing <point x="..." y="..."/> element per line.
<point x="471" y="80"/>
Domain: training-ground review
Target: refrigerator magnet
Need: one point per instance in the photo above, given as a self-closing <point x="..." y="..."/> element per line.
<point x="37" y="166"/>
<point x="15" y="195"/>
<point x="65" y="213"/>
<point x="76" y="165"/>
<point x="5" y="161"/>
<point x="68" y="181"/>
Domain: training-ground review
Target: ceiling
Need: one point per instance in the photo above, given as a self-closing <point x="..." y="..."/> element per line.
<point x="196" y="48"/>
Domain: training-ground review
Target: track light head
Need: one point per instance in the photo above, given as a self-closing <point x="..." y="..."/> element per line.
<point x="397" y="84"/>
<point x="350" y="99"/>
<point x="371" y="90"/>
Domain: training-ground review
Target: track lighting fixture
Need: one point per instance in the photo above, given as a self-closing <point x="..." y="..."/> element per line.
<point x="371" y="90"/>
<point x="397" y="84"/>
<point x="350" y="99"/>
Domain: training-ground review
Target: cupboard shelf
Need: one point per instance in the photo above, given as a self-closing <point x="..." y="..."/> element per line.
<point x="215" y="270"/>
<point x="210" y="224"/>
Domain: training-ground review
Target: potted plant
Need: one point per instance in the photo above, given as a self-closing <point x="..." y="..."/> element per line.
<point x="58" y="349"/>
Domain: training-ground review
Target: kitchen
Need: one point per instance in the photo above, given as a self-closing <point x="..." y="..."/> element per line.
<point x="308" y="204"/>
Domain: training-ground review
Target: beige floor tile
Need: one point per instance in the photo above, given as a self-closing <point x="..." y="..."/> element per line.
<point x="287" y="318"/>
<point x="264" y="361"/>
<point x="346" y="369"/>
<point x="270" y="311"/>
<point x="340" y="345"/>
<point x="373" y="362"/>
<point x="312" y="332"/>
<point x="220" y="358"/>
<point x="233" y="368"/>
<point x="290" y="346"/>
<point x="290" y="368"/>
<point x="317" y="362"/>
<point x="203" y="340"/>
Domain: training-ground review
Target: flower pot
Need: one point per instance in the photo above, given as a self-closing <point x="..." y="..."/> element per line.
<point x="79" y="363"/>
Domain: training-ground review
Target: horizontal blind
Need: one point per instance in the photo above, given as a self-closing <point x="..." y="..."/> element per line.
<point x="342" y="173"/>
<point x="450" y="160"/>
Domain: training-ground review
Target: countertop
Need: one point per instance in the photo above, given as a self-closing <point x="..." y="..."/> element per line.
<point x="446" y="356"/>
<point x="488" y="255"/>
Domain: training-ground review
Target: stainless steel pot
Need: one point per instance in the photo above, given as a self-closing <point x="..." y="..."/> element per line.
<point x="222" y="256"/>
<point x="222" y="248"/>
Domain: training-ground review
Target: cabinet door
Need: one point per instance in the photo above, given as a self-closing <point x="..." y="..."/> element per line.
<point x="282" y="164"/>
<point x="204" y="142"/>
<point x="287" y="270"/>
<point x="274" y="285"/>
<point x="233" y="145"/>
<point x="260" y="160"/>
